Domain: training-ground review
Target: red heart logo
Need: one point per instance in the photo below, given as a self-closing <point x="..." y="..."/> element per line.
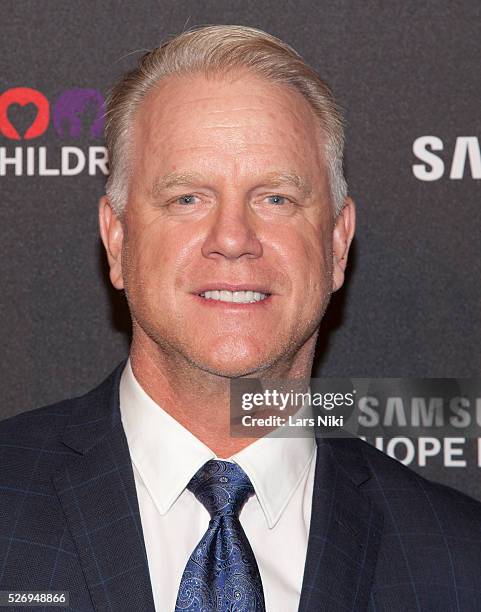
<point x="24" y="96"/>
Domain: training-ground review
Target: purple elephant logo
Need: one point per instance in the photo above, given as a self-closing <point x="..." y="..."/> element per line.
<point x="76" y="108"/>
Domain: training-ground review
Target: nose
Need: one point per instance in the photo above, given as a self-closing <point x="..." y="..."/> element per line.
<point x="231" y="233"/>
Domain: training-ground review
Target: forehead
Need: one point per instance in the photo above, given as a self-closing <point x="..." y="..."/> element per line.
<point x="239" y="116"/>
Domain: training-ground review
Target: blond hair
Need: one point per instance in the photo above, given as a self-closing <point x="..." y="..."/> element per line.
<point x="214" y="50"/>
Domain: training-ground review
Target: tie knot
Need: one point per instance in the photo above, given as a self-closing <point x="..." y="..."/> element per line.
<point x="222" y="487"/>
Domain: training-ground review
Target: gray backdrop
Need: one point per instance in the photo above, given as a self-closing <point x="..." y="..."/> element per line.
<point x="403" y="71"/>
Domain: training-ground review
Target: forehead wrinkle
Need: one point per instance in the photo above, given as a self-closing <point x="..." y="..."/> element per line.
<point x="299" y="109"/>
<point x="254" y="114"/>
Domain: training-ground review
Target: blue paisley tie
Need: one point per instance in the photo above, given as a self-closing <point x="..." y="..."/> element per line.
<point x="221" y="574"/>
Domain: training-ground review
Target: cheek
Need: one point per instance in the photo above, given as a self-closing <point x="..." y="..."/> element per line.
<point x="158" y="257"/>
<point x="306" y="257"/>
<point x="145" y="260"/>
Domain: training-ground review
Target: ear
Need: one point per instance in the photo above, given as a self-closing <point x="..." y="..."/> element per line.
<point x="112" y="233"/>
<point x="343" y="233"/>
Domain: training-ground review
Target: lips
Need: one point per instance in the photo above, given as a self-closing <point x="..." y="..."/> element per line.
<point x="219" y="286"/>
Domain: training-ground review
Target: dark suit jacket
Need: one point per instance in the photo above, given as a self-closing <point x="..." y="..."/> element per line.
<point x="381" y="537"/>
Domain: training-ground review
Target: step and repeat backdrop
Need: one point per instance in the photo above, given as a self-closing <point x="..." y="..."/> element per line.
<point x="408" y="77"/>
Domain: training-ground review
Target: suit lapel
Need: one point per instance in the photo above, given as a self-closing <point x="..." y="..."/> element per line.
<point x="344" y="533"/>
<point x="97" y="492"/>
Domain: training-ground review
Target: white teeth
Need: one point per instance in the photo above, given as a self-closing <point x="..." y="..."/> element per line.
<point x="239" y="297"/>
<point x="226" y="296"/>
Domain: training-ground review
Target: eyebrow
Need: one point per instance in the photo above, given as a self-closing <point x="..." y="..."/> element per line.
<point x="272" y="179"/>
<point x="175" y="179"/>
<point x="277" y="179"/>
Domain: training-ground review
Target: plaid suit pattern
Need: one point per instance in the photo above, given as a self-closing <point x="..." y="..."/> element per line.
<point x="425" y="537"/>
<point x="91" y="543"/>
<point x="382" y="538"/>
<point x="36" y="550"/>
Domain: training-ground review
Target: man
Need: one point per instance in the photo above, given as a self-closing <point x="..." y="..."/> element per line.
<point x="226" y="222"/>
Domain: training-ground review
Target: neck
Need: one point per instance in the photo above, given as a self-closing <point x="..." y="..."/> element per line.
<point x="200" y="400"/>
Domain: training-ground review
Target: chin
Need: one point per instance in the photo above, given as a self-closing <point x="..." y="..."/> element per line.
<point x="233" y="359"/>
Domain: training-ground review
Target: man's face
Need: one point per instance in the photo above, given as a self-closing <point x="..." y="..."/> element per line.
<point x="228" y="199"/>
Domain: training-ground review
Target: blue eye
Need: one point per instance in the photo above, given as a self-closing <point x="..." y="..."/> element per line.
<point x="277" y="199"/>
<point x="186" y="199"/>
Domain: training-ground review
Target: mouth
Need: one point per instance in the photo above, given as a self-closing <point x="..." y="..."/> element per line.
<point x="234" y="297"/>
<point x="230" y="295"/>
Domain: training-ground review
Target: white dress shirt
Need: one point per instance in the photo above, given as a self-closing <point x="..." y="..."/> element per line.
<point x="165" y="456"/>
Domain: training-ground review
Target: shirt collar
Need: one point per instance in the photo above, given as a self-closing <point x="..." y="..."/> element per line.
<point x="157" y="441"/>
